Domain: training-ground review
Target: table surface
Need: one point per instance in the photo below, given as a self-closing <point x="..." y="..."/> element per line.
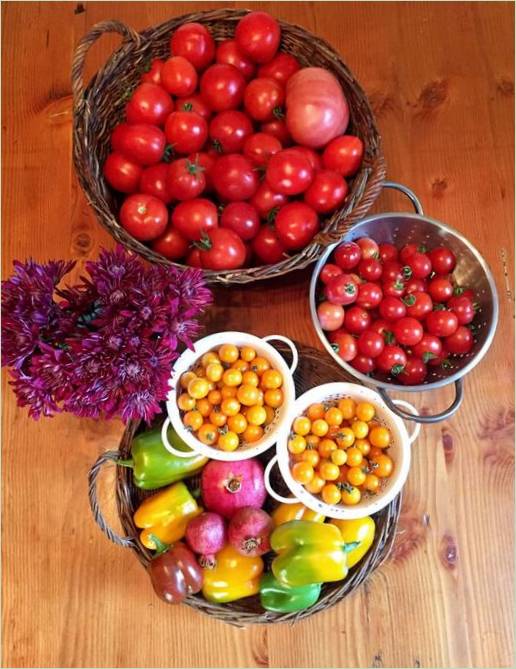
<point x="440" y="78"/>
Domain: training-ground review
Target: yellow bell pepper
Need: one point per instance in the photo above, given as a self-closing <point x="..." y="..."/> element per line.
<point x="358" y="530"/>
<point x="233" y="577"/>
<point x="166" y="515"/>
<point x="284" y="513"/>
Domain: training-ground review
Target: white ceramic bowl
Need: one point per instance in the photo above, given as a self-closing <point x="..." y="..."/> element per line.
<point x="399" y="451"/>
<point x="188" y="360"/>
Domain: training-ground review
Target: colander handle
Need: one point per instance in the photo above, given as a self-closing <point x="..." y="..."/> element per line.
<point x="406" y="191"/>
<point x="290" y="344"/>
<point x="417" y="427"/>
<point x="270" y="489"/>
<point x="436" y="418"/>
<point x="168" y="445"/>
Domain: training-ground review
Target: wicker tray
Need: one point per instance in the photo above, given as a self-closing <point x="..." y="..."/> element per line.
<point x="314" y="369"/>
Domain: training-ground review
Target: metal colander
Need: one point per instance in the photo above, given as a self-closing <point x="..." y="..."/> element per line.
<point x="471" y="271"/>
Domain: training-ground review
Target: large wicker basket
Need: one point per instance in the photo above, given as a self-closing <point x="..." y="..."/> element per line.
<point x="314" y="368"/>
<point x="98" y="108"/>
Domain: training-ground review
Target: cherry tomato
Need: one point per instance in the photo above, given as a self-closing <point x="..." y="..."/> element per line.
<point x="234" y="177"/>
<point x="206" y="161"/>
<point x="258" y="148"/>
<point x="392" y="308"/>
<point x="296" y="225"/>
<point x="465" y="292"/>
<point x="258" y="36"/>
<point x="408" y="331"/>
<point x="171" y="244"/>
<point x="370" y="269"/>
<point x="192" y="218"/>
<point x="263" y="99"/>
<point x="387" y="252"/>
<point x="122" y="174"/>
<point x="266" y="200"/>
<point x="193" y="259"/>
<point x="267" y="246"/>
<point x="441" y="323"/>
<point x="229" y="130"/>
<point x="329" y="272"/>
<point x="428" y="347"/>
<point x="381" y="326"/>
<point x="356" y="320"/>
<point x="153" y="74"/>
<point x="392" y="271"/>
<point x="391" y="360"/>
<point x="463" y="308"/>
<point x="344" y="155"/>
<point x="406" y="252"/>
<point x="312" y="156"/>
<point x="222" y="87"/>
<point x="185" y="180"/>
<point x="347" y="255"/>
<point x="393" y="288"/>
<point x="331" y="316"/>
<point x="289" y="172"/>
<point x="222" y="249"/>
<point x="178" y="76"/>
<point x="443" y="260"/>
<point x="368" y="247"/>
<point x="149" y="104"/>
<point x="420" y="265"/>
<point x="418" y="305"/>
<point x="186" y="131"/>
<point x="413" y="285"/>
<point x="413" y="373"/>
<point x="460" y="342"/>
<point x="341" y="290"/>
<point x="369" y="295"/>
<point x="144" y="144"/>
<point x="344" y="344"/>
<point x="326" y="192"/>
<point x="277" y="128"/>
<point x="382" y="466"/>
<point x="242" y="218"/>
<point x="440" y="289"/>
<point x="228" y="53"/>
<point x="143" y="216"/>
<point x="154" y="182"/>
<point x="363" y="364"/>
<point x="280" y="68"/>
<point x="370" y="344"/>
<point x="194" y="42"/>
<point x="195" y="104"/>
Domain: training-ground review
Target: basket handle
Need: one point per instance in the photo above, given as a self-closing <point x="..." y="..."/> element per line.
<point x="81" y="51"/>
<point x="270" y="489"/>
<point x="108" y="456"/>
<point x="436" y="418"/>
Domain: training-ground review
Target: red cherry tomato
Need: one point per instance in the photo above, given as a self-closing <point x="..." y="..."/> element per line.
<point x="341" y="290"/>
<point x="313" y="157"/>
<point x="331" y="316"/>
<point x="267" y="201"/>
<point x="260" y="147"/>
<point x="458" y="290"/>
<point x="387" y="252"/>
<point x="415" y="286"/>
<point x="143" y="216"/>
<point x="178" y="76"/>
<point x="278" y="129"/>
<point x="171" y="244"/>
<point x="289" y="172"/>
<point x="443" y="260"/>
<point x="193" y="259"/>
<point x="369" y="247"/>
<point x="440" y="289"/>
<point x="392" y="308"/>
<point x="263" y="99"/>
<point x="194" y="103"/>
<point x="122" y="174"/>
<point x="391" y="360"/>
<point x="234" y="177"/>
<point x="154" y="182"/>
<point x="185" y="180"/>
<point x="228" y="53"/>
<point x="344" y="155"/>
<point x="408" y="331"/>
<point x="267" y="246"/>
<point x="370" y="344"/>
<point x="206" y="162"/>
<point x="222" y="249"/>
<point x="380" y="326"/>
<point x="242" y="218"/>
<point x="406" y="252"/>
<point x="222" y="87"/>
<point x="463" y="308"/>
<point x="344" y="344"/>
<point x="186" y="131"/>
<point x="193" y="218"/>
<point x="140" y="143"/>
<point x="460" y="342"/>
<point x="370" y="269"/>
<point x="369" y="295"/>
<point x="329" y="272"/>
<point x="229" y="130"/>
<point x="357" y="320"/>
<point x="393" y="288"/>
<point x="392" y="271"/>
<point x="441" y="323"/>
<point x="194" y="42"/>
<point x="420" y="265"/>
<point x="153" y="74"/>
<point x="347" y="255"/>
<point x="296" y="225"/>
<point x="414" y="372"/>
<point x="149" y="104"/>
<point x="280" y="68"/>
<point x="326" y="192"/>
<point x="363" y="364"/>
<point x="258" y="36"/>
<point x="418" y="305"/>
<point x="428" y="347"/>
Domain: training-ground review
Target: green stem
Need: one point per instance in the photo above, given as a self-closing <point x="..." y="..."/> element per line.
<point x="126" y="463"/>
<point x="160" y="546"/>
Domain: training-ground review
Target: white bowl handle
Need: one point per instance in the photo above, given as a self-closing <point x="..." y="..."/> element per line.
<point x="269" y="488"/>
<point x="413" y="410"/>
<point x="290" y="344"/>
<point x="168" y="445"/>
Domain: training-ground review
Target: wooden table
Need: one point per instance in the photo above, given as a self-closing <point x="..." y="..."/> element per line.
<point x="440" y="77"/>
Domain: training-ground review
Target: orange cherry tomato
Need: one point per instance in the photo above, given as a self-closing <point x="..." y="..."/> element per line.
<point x="241" y="365"/>
<point x="271" y="379"/>
<point x="232" y="377"/>
<point x="230" y="406"/>
<point x="302" y="472"/>
<point x="347" y="406"/>
<point x="315" y="485"/>
<point x="214" y="397"/>
<point x="228" y="391"/>
<point x="198" y="388"/>
<point x="363" y="446"/>
<point x="256" y="415"/>
<point x="228" y="441"/>
<point x="382" y="466"/>
<point x="214" y="371"/>
<point x="260" y="365"/>
<point x="217" y="418"/>
<point x="351" y="495"/>
<point x="365" y="411"/>
<point x="310" y="455"/>
<point x="312" y="440"/>
<point x="252" y="433"/>
<point x="371" y="483"/>
<point x="237" y="423"/>
<point x="315" y="411"/>
<point x="247" y="353"/>
<point x="326" y="446"/>
<point x="208" y="434"/>
<point x="355" y="457"/>
<point x="247" y="395"/>
<point x="374" y="452"/>
<point x="250" y="379"/>
<point x="356" y="476"/>
<point x="203" y="407"/>
<point x="261" y="397"/>
<point x="331" y="494"/>
<point x="270" y="414"/>
<point x="360" y="429"/>
<point x="186" y="378"/>
<point x="339" y="457"/>
<point x="328" y="471"/>
<point x="345" y="437"/>
<point x="297" y="444"/>
<point x="185" y="402"/>
<point x="192" y="420"/>
<point x="320" y="427"/>
<point x="209" y="357"/>
<point x="380" y="437"/>
<point x="274" y="398"/>
<point x="228" y="353"/>
<point x="302" y="426"/>
<point x="334" y="416"/>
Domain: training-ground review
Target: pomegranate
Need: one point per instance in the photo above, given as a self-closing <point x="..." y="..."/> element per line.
<point x="228" y="486"/>
<point x="249" y="531"/>
<point x="206" y="535"/>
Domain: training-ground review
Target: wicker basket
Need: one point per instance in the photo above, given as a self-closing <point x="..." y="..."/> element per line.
<point x="98" y="108"/>
<point x="314" y="368"/>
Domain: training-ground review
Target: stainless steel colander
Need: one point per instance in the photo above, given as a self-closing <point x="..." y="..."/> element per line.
<point x="471" y="271"/>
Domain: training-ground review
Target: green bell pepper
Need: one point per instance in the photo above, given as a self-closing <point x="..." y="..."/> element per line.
<point x="155" y="467"/>
<point x="280" y="598"/>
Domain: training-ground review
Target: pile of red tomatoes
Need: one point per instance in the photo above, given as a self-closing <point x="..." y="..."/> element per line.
<point x="231" y="152"/>
<point x="395" y="311"/>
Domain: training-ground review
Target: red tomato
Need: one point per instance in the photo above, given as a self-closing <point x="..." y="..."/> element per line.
<point x="369" y="295"/>
<point x="363" y="364"/>
<point x="242" y="218"/>
<point x="194" y="103"/>
<point x="331" y="316"/>
<point x="443" y="260"/>
<point x="347" y="255"/>
<point x="391" y="360"/>
<point x="171" y="244"/>
<point x="370" y="344"/>
<point x="234" y="177"/>
<point x="229" y="130"/>
<point x="278" y="129"/>
<point x="314" y="158"/>
<point x="413" y="373"/>
<point x="263" y="99"/>
<point x="267" y="201"/>
<point x="392" y="271"/>
<point x="185" y="180"/>
<point x="356" y="320"/>
<point x="441" y="323"/>
<point x="222" y="87"/>
<point x="408" y="331"/>
<point x="153" y="74"/>
<point x="289" y="172"/>
<point x="149" y="104"/>
<point x="418" y="305"/>
<point x="391" y="308"/>
<point x="260" y="147"/>
<point x="415" y="286"/>
<point x="154" y="182"/>
<point x="326" y="192"/>
<point x="206" y="161"/>
<point x="193" y="218"/>
<point x="341" y="290"/>
<point x="387" y="252"/>
<point x="420" y="265"/>
<point x="296" y="225"/>
<point x="458" y="290"/>
<point x="344" y="155"/>
<point x="178" y="76"/>
<point x="463" y="308"/>
<point x="194" y="42"/>
<point x="141" y="143"/>
<point x="380" y="326"/>
<point x="369" y="247"/>
<point x="222" y="249"/>
<point x="143" y="216"/>
<point x="370" y="269"/>
<point x="228" y="53"/>
<point x="267" y="246"/>
<point x="460" y="342"/>
<point x="122" y="174"/>
<point x="428" y="347"/>
<point x="280" y="68"/>
<point x="186" y="131"/>
<point x="329" y="272"/>
<point x="440" y="289"/>
<point x="344" y="344"/>
<point x="258" y="36"/>
<point x="193" y="259"/>
<point x="393" y="288"/>
<point x="407" y="251"/>
<point x="439" y="361"/>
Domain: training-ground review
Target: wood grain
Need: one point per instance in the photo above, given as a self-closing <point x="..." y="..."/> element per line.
<point x="441" y="79"/>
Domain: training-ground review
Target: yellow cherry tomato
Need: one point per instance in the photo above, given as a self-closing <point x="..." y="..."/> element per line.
<point x="232" y="377"/>
<point x="320" y="427"/>
<point x="302" y="472"/>
<point x="270" y="414"/>
<point x="209" y="357"/>
<point x="302" y="426"/>
<point x="334" y="416"/>
<point x="237" y="423"/>
<point x="326" y="446"/>
<point x="338" y="457"/>
<point x="347" y="406"/>
<point x="247" y="395"/>
<point x="380" y="437"/>
<point x="363" y="446"/>
<point x="345" y="437"/>
<point x="228" y="353"/>
<point x="186" y="378"/>
<point x="297" y="444"/>
<point x="208" y="434"/>
<point x="365" y="411"/>
<point x="315" y="411"/>
<point x="271" y="379"/>
<point x="315" y="485"/>
<point x="250" y="379"/>
<point x="350" y="495"/>
<point x="192" y="420"/>
<point x="214" y="397"/>
<point x="247" y="353"/>
<point x="261" y="397"/>
<point x="328" y="471"/>
<point x="355" y="457"/>
<point x="241" y="365"/>
<point x="274" y="398"/>
<point x="312" y="440"/>
<point x="256" y="415"/>
<point x="260" y="365"/>
<point x="372" y="483"/>
<point x="360" y="429"/>
<point x="214" y="371"/>
<point x="228" y="441"/>
<point x="217" y="418"/>
<point x="310" y="455"/>
<point x="382" y="466"/>
<point x="198" y="388"/>
<point x="356" y="476"/>
<point x="203" y="407"/>
<point x="230" y="406"/>
<point x="228" y="391"/>
<point x="252" y="433"/>
<point x="330" y="494"/>
<point x="185" y="402"/>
